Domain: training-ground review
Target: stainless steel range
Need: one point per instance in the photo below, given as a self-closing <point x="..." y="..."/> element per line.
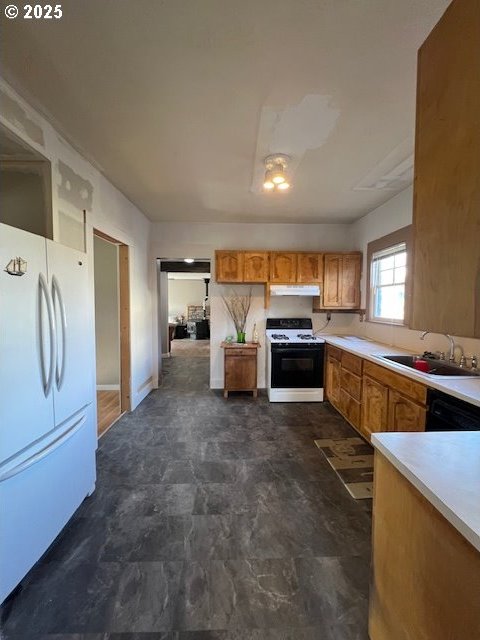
<point x="295" y="361"/>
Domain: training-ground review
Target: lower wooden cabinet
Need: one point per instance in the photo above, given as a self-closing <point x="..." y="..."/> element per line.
<point x="404" y="414"/>
<point x="333" y="381"/>
<point x="374" y="406"/>
<point x="371" y="397"/>
<point x="240" y="364"/>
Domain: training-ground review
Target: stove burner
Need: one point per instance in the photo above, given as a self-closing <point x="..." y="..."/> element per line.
<point x="306" y="336"/>
<point x="279" y="336"/>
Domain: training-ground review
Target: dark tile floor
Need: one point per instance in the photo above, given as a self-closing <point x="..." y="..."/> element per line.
<point x="213" y="519"/>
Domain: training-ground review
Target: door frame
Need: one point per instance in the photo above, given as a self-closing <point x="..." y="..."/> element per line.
<point x="124" y="318"/>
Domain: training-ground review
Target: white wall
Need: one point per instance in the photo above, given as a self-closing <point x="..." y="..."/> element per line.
<point x="107" y="210"/>
<point x="393" y="215"/>
<point x="181" y="293"/>
<point x="176" y="240"/>
<point x="107" y="325"/>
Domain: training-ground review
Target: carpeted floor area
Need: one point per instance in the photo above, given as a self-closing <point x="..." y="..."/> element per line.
<point x="213" y="519"/>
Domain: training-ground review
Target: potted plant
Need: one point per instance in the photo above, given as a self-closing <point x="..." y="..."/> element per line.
<point x="238" y="307"/>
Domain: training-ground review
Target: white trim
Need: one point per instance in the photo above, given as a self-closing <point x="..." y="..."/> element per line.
<point x="295" y="395"/>
<point x="108" y="387"/>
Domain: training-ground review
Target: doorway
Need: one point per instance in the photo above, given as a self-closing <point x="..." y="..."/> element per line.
<point x="184" y="308"/>
<point x="112" y="329"/>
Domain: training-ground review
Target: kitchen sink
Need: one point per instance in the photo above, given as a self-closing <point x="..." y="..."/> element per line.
<point x="435" y="367"/>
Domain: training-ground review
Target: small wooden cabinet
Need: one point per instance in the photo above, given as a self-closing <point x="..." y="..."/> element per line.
<point x="403" y="413"/>
<point x="240" y="365"/>
<point x="283" y="267"/>
<point x="255" y="266"/>
<point x="341" y="281"/>
<point x="229" y="266"/>
<point x="309" y="267"/>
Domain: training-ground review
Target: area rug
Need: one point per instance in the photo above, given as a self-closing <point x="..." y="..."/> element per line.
<point x="187" y="348"/>
<point x="352" y="461"/>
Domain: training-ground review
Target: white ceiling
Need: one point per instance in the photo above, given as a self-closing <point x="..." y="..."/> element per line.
<point x="179" y="101"/>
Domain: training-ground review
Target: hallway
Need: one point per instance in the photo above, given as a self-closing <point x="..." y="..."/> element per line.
<point x="209" y="514"/>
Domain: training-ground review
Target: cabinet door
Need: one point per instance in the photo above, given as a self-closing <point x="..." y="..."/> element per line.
<point x="255" y="266"/>
<point x="331" y="281"/>
<point x="229" y="266"/>
<point x="350" y="281"/>
<point x="283" y="267"/>
<point x="240" y="372"/>
<point x="333" y="381"/>
<point x="374" y="406"/>
<point x="350" y="408"/>
<point x="446" y="220"/>
<point x="404" y="415"/>
<point x="310" y="267"/>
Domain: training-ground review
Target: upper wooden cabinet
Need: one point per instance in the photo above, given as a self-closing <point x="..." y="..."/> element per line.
<point x="255" y="266"/>
<point x="229" y="266"/>
<point x="309" y="267"/>
<point x="283" y="267"/>
<point x="446" y="220"/>
<point x="341" y="281"/>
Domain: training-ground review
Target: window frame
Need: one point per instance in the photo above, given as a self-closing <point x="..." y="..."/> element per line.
<point x="390" y="241"/>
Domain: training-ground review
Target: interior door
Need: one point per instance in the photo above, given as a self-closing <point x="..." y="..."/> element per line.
<point x="73" y="386"/>
<point x="26" y="406"/>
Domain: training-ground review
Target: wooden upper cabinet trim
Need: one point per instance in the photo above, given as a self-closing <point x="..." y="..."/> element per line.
<point x="283" y="267"/>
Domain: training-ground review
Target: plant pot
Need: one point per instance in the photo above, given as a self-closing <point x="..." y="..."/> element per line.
<point x="241" y="337"/>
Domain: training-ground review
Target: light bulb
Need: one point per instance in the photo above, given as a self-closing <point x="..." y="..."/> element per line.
<point x="268" y="185"/>
<point x="283" y="186"/>
<point x="278" y="174"/>
<point x="189" y="260"/>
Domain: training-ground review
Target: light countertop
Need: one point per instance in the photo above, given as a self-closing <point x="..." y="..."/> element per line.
<point x="467" y="389"/>
<point x="445" y="468"/>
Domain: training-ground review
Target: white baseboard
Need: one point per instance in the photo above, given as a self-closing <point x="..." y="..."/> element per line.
<point x="108" y="387"/>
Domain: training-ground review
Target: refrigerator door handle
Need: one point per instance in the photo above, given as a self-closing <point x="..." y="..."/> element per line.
<point x="57" y="295"/>
<point x="48" y="382"/>
<point x="44" y="452"/>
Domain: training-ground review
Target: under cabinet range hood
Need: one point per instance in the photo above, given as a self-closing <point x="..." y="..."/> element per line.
<point x="294" y="290"/>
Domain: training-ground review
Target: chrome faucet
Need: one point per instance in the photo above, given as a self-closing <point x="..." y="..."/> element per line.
<point x="451" y="357"/>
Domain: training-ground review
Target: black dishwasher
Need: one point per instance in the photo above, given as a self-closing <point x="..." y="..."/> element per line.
<point x="446" y="413"/>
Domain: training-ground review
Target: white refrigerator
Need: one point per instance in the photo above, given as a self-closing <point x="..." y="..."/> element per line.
<point x="47" y="417"/>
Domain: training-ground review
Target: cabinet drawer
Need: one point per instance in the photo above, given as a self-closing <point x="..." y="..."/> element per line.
<point x="252" y="353"/>
<point x="352" y="363"/>
<point x="334" y="352"/>
<point x="350" y="408"/>
<point x="410" y="388"/>
<point x="351" y="383"/>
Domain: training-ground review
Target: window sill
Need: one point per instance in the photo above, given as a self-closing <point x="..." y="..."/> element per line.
<point x="389" y="323"/>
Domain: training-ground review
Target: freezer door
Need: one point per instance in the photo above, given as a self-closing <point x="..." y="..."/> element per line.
<point x="26" y="354"/>
<point x="40" y="493"/>
<point x="73" y="385"/>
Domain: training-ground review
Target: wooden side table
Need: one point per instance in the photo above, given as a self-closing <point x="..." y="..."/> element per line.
<point x="240" y="367"/>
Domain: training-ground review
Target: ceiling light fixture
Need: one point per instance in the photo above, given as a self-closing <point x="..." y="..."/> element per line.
<point x="188" y="260"/>
<point x="276" y="173"/>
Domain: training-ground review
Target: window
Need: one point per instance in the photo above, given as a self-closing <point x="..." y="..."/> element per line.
<point x="388" y="286"/>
